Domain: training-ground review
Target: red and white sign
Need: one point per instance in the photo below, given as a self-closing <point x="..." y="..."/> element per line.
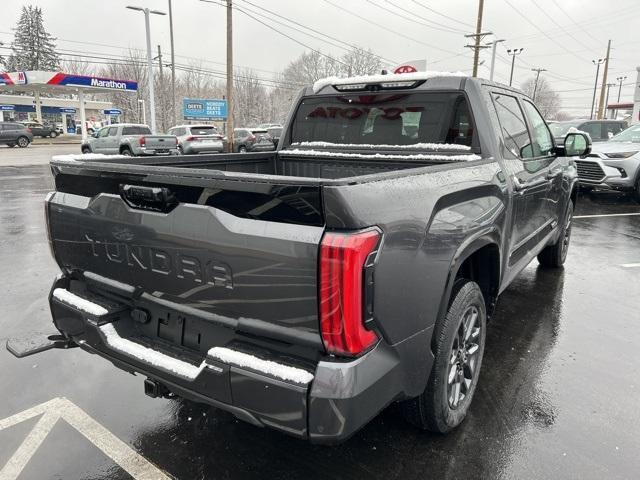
<point x="405" y="69"/>
<point x="22" y="78"/>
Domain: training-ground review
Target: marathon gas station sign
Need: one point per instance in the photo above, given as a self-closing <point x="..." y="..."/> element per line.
<point x="44" y="79"/>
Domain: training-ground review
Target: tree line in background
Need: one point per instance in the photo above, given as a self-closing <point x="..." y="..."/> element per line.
<point x="257" y="99"/>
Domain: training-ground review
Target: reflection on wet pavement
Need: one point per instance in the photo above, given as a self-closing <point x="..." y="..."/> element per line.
<point x="557" y="398"/>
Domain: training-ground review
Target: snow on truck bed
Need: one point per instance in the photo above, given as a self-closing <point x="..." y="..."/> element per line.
<point x="384" y="146"/>
<point x="380" y="156"/>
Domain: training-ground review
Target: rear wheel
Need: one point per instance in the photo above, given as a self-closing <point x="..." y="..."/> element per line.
<point x="127" y="152"/>
<point x="458" y="350"/>
<point x="86" y="149"/>
<point x="23" y="142"/>
<point x="554" y="256"/>
<point x="53" y="134"/>
<point x="242" y="149"/>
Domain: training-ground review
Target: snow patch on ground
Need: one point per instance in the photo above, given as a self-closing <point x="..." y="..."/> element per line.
<point x="415" y="146"/>
<point x="148" y="355"/>
<point x="278" y="370"/>
<point x="84" y="157"/>
<point x="400" y="77"/>
<point x="80" y="303"/>
<point x="419" y="156"/>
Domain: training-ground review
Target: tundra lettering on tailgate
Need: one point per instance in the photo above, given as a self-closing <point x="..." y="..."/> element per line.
<point x="183" y="267"/>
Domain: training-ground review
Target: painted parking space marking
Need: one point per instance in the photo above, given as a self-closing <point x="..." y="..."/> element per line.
<point x="608" y="215"/>
<point x="61" y="408"/>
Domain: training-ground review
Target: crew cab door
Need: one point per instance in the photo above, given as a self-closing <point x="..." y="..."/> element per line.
<point x="98" y="142"/>
<point x="111" y="143"/>
<point x="528" y="170"/>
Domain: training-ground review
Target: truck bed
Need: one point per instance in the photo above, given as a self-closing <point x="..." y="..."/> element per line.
<point x="330" y="168"/>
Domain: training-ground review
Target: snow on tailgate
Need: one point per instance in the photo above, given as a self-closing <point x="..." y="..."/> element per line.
<point x="401" y="77"/>
<point x="415" y="146"/>
<point x="379" y="156"/>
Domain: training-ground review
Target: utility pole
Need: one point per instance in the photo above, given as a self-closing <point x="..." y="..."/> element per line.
<point x="230" y="75"/>
<point x="494" y="44"/>
<point x="597" y="63"/>
<point x="162" y="93"/>
<point x="535" y="85"/>
<point x="513" y="52"/>
<point x="620" y="80"/>
<point x="606" y="103"/>
<point x="604" y="81"/>
<point x="478" y="36"/>
<point x="173" y="68"/>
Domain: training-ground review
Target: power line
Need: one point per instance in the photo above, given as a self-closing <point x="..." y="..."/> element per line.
<point x="541" y="31"/>
<point x="410" y="19"/>
<point x="350" y="45"/>
<point x="388" y="30"/>
<point x="442" y="14"/>
<point x="429" y="21"/>
<point x="553" y="20"/>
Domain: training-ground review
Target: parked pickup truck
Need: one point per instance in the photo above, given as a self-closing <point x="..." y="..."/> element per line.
<point x="306" y="289"/>
<point x="130" y="139"/>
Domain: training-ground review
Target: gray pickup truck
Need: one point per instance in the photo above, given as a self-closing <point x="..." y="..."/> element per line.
<point x="130" y="139"/>
<point x="307" y="289"/>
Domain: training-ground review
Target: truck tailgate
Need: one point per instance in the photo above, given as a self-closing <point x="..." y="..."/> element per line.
<point x="204" y="256"/>
<point x="160" y="142"/>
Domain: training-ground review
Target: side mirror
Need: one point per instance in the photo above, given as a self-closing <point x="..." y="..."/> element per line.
<point x="577" y="144"/>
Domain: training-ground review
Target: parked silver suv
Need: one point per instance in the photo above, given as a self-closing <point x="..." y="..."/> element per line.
<point x="614" y="164"/>
<point x="197" y="139"/>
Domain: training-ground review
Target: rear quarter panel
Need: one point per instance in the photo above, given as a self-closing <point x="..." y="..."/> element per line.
<point x="428" y="220"/>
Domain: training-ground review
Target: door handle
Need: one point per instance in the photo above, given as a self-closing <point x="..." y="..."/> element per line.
<point x="551" y="174"/>
<point x="520" y="186"/>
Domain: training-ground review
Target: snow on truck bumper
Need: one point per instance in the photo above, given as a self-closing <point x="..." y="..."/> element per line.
<point x="324" y="404"/>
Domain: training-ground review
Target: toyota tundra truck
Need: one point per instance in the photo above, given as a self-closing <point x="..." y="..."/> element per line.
<point x="307" y="289"/>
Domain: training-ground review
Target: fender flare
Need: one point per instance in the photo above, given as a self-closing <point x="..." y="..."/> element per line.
<point x="488" y="236"/>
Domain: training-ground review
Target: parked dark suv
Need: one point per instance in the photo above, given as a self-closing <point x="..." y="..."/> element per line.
<point x="599" y="130"/>
<point x="41" y="130"/>
<point x="252" y="140"/>
<point x="13" y="134"/>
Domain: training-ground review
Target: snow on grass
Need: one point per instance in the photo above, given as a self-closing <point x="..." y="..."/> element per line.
<point x="401" y="77"/>
<point x="148" y="355"/>
<point x="415" y="146"/>
<point x="65" y="296"/>
<point x="278" y="370"/>
<point x="380" y="156"/>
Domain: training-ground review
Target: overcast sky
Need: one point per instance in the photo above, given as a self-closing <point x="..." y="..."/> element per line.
<point x="106" y="27"/>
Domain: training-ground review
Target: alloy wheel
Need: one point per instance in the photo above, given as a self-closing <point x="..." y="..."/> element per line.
<point x="463" y="359"/>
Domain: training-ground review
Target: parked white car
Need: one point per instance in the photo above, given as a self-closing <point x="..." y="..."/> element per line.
<point x="198" y="139"/>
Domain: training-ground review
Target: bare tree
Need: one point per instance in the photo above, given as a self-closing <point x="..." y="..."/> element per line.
<point x="360" y="62"/>
<point x="133" y="68"/>
<point x="547" y="99"/>
<point x="77" y="66"/>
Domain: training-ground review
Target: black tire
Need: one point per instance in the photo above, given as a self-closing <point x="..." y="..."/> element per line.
<point x="23" y="142"/>
<point x="463" y="329"/>
<point x="554" y="256"/>
<point x="85" y="149"/>
<point x="636" y="192"/>
<point x="53" y="134"/>
<point x="180" y="150"/>
<point x="242" y="149"/>
<point x="11" y="145"/>
<point x="127" y="152"/>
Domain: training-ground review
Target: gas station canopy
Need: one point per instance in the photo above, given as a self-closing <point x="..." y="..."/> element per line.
<point x="38" y="81"/>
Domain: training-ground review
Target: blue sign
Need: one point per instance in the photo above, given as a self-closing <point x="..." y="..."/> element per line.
<point x="112" y="111"/>
<point x="84" y="81"/>
<point x="199" y="109"/>
<point x="7" y="108"/>
<point x="67" y="110"/>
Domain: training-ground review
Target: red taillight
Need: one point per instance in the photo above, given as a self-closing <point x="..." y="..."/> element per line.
<point x="189" y="139"/>
<point x="142" y="141"/>
<point x="29" y="130"/>
<point x="342" y="261"/>
<point x="252" y="137"/>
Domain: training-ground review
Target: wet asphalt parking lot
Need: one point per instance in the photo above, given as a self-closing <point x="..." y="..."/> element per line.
<point x="558" y="395"/>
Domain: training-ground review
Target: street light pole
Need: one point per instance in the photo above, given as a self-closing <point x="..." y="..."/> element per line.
<point x="494" y="44"/>
<point x="173" y="68"/>
<point x="595" y="87"/>
<point x="152" y="103"/>
<point x="513" y="52"/>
